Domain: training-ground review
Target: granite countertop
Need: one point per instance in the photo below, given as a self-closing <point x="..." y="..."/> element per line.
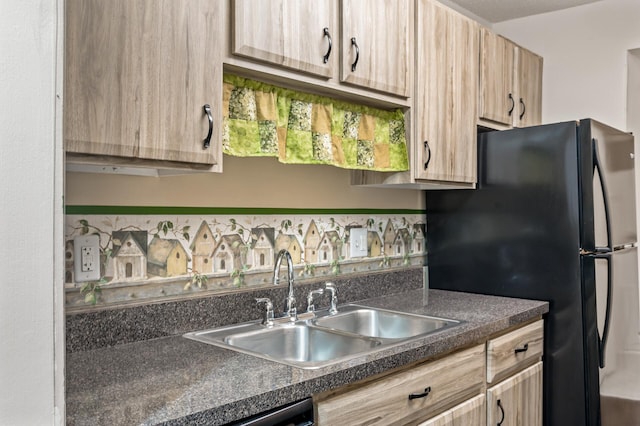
<point x="174" y="380"/>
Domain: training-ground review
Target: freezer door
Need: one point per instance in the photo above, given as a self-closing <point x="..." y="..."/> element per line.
<point x="609" y="188"/>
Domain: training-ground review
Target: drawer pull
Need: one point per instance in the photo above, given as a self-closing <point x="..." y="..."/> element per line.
<point x="420" y="395"/>
<point x="502" y="412"/>
<point x="522" y="349"/>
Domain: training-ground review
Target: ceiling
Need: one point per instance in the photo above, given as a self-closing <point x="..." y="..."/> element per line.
<point x="503" y="10"/>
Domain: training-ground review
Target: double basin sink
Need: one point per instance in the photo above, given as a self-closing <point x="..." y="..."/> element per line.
<point x="320" y="339"/>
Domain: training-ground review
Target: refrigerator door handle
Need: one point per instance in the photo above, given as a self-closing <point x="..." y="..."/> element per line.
<point x="604" y="253"/>
<point x="597" y="166"/>
<point x="602" y="340"/>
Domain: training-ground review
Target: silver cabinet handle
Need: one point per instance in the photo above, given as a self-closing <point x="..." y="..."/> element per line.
<point x="355" y="63"/>
<point x="207" y="140"/>
<point x="426" y="146"/>
<point x="513" y="104"/>
<point x="502" y="412"/>
<point x="325" y="58"/>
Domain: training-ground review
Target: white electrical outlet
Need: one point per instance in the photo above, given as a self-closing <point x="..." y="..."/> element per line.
<point x="358" y="242"/>
<point x="86" y="258"/>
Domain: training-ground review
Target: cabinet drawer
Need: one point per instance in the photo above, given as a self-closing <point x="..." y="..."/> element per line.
<point x="514" y="351"/>
<point x="386" y="401"/>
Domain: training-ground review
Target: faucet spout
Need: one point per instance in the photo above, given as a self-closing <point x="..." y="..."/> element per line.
<point x="290" y="301"/>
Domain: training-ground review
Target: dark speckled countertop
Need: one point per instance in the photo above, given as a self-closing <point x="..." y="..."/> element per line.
<point x="177" y="381"/>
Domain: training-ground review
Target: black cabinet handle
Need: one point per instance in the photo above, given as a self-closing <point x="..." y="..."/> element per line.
<point x="513" y="104"/>
<point x="523" y="108"/>
<point x="207" y="140"/>
<point x="325" y="59"/>
<point x="355" y="63"/>
<point x="420" y="395"/>
<point x="501" y="411"/>
<point x="522" y="349"/>
<point x="426" y="146"/>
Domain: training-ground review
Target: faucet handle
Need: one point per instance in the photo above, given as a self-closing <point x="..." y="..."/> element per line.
<point x="331" y="288"/>
<point x="268" y="314"/>
<point x="310" y="306"/>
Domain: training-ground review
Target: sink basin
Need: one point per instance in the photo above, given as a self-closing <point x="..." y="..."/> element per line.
<point x="299" y="344"/>
<point x="321" y="339"/>
<point x="382" y="323"/>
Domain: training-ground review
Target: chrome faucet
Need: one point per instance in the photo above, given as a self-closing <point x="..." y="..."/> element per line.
<point x="290" y="301"/>
<point x="310" y="306"/>
<point x="268" y="313"/>
<point x="331" y="288"/>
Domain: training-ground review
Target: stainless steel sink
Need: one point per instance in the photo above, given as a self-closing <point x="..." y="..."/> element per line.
<point x="300" y="344"/>
<point x="321" y="339"/>
<point x="382" y="323"/>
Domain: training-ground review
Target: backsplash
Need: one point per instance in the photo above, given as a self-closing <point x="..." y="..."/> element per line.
<point x="154" y="253"/>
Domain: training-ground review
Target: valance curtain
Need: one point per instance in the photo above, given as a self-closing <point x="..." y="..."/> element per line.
<point x="300" y="128"/>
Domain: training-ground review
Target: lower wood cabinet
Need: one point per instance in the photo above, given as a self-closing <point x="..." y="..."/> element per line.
<point x="511" y="352"/>
<point x="517" y="400"/>
<point x="469" y="413"/>
<point x="409" y="396"/>
<point x="496" y="383"/>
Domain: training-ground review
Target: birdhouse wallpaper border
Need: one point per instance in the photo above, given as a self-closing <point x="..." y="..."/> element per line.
<point x="149" y="254"/>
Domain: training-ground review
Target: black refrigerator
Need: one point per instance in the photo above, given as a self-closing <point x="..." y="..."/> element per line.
<point x="552" y="218"/>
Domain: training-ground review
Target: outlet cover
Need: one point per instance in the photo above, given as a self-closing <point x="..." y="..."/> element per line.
<point x="358" y="242"/>
<point x="86" y="258"/>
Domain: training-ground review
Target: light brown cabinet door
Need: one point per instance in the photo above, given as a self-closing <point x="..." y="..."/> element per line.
<point x="448" y="46"/>
<point x="529" y="83"/>
<point x="137" y="75"/>
<point x="377" y="44"/>
<point x="288" y="33"/>
<point x="517" y="401"/>
<point x="470" y="413"/>
<point x="497" y="98"/>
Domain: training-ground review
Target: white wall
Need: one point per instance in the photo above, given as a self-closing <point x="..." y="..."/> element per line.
<point x="31" y="357"/>
<point x="585" y="57"/>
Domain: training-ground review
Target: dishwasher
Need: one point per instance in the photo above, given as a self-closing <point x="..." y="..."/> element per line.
<point x="297" y="414"/>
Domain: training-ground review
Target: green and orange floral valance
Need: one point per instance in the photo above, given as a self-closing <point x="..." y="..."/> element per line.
<point x="300" y="128"/>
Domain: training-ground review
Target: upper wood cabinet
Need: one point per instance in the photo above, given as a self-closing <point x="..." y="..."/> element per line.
<point x="376" y="47"/>
<point x="447" y="51"/>
<point x="497" y="101"/>
<point x="373" y="41"/>
<point x="137" y="76"/>
<point x="297" y="34"/>
<point x="510" y="82"/>
<point x="529" y="84"/>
